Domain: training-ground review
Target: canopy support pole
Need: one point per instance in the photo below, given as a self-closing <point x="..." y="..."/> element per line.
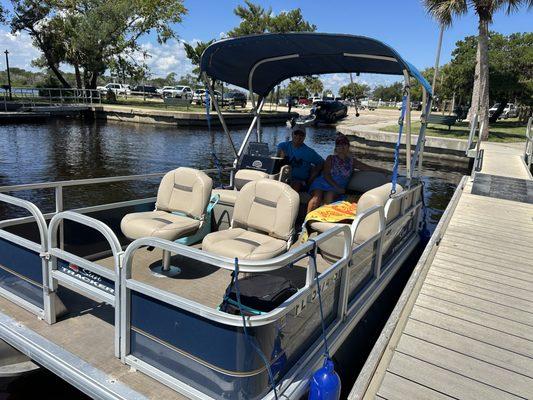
<point x="408" y="128"/>
<point x="419" y="150"/>
<point x="258" y="131"/>
<point x="220" y="116"/>
<point x="249" y="132"/>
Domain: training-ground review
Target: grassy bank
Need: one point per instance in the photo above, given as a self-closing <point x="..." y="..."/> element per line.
<point x="510" y="130"/>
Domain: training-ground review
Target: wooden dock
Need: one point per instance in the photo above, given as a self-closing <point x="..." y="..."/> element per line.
<point x="463" y="327"/>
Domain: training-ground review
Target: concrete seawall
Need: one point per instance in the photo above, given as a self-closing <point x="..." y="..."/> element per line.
<point x="371" y="141"/>
<point x="182" y="118"/>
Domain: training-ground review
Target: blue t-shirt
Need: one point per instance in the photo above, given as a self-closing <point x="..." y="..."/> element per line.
<point x="301" y="159"/>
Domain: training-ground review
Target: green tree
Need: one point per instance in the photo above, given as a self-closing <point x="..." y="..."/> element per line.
<point x="445" y="11"/>
<point x="255" y="19"/>
<point x="314" y="85"/>
<point x="290" y="21"/>
<point x="297" y="88"/>
<point x="188" y="80"/>
<point x="354" y="89"/>
<point x="388" y="93"/>
<point x="194" y="53"/>
<point x="510" y="72"/>
<point x="93" y="35"/>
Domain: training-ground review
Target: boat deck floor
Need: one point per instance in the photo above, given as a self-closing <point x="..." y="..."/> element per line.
<point x="87" y="331"/>
<point x="197" y="281"/>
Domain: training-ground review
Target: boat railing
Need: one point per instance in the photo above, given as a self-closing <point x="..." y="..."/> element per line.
<point x="28" y="267"/>
<point x="528" y="151"/>
<point x="64" y="276"/>
<point x="59" y="186"/>
<point x="208" y="317"/>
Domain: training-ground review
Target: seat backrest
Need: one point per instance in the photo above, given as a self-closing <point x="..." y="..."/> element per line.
<point x="363" y="181"/>
<point x="378" y="196"/>
<point x="184" y="190"/>
<point x="267" y="206"/>
<point x="243" y="176"/>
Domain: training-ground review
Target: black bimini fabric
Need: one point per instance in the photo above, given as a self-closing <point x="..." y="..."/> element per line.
<point x="231" y="60"/>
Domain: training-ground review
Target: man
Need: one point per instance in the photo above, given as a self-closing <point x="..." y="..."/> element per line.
<point x="304" y="161"/>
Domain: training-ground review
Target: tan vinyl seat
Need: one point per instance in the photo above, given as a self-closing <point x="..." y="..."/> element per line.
<point x="263" y="222"/>
<point x="242" y="177"/>
<point x="332" y="249"/>
<point x="182" y="199"/>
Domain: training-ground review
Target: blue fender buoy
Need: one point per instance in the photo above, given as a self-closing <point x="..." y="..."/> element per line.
<point x="325" y="383"/>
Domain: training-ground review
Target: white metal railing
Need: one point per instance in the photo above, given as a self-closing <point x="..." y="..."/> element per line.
<point x="34" y="97"/>
<point x="528" y="151"/>
<point x="58" y="187"/>
<point x="40" y="248"/>
<point x="55" y="276"/>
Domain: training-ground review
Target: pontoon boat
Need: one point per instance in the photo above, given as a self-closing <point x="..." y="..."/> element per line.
<point x="123" y="300"/>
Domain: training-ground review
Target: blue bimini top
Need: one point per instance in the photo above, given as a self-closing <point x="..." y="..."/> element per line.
<point x="260" y="62"/>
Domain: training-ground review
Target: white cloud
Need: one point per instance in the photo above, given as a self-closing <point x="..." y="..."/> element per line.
<point x="20" y="47"/>
<point x="335" y="81"/>
<point x="166" y="58"/>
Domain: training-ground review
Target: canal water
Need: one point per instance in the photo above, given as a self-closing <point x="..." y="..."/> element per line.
<point x="66" y="149"/>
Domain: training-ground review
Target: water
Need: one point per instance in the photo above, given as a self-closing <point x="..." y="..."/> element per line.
<point x="65" y="149"/>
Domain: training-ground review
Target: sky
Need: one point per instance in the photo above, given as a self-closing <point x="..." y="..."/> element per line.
<point x="404" y="25"/>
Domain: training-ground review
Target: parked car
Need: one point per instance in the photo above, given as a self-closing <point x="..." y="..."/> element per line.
<point x="510" y="111"/>
<point x="197" y="96"/>
<point x="416" y="105"/>
<point x="235" y="98"/>
<point x="145" y="90"/>
<point x="493" y="109"/>
<point x="117" y="88"/>
<point x="329" y="111"/>
<point x="164" y="88"/>
<point x="180" y="92"/>
<point x="304" y="101"/>
<point x="315" y="99"/>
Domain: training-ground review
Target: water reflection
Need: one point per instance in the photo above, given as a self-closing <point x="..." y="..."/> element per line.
<point x="66" y="149"/>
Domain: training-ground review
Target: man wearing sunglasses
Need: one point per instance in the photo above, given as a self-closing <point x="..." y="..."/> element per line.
<point x="305" y="163"/>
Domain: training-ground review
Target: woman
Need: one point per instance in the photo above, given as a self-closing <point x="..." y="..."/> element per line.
<point x="335" y="175"/>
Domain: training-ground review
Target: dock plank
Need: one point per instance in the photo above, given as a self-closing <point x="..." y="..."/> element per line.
<point x="481" y="333"/>
<point x="481" y="273"/>
<point x="494" y="286"/>
<point x="467" y="366"/>
<point x="471" y="347"/>
<point x="492" y="263"/>
<point x="395" y="387"/>
<point x="486" y="319"/>
<point x="502" y="310"/>
<point x="444" y="380"/>
<point x="480" y="293"/>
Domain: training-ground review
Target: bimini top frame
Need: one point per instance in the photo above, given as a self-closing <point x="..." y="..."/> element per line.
<point x="260" y="62"/>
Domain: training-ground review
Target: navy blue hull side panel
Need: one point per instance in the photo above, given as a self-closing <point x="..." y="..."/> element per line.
<point x="85" y="241"/>
<point x="86" y="276"/>
<point x="21" y="272"/>
<point x="21" y="260"/>
<point x="217" y="359"/>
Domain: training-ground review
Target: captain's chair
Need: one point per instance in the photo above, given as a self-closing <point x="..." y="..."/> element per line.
<point x="182" y="200"/>
<point x="263" y="222"/>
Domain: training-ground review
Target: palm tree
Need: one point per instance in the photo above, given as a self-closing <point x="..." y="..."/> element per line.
<point x="445" y="11"/>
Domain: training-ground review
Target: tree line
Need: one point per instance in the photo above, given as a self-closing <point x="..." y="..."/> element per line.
<point x="98" y="36"/>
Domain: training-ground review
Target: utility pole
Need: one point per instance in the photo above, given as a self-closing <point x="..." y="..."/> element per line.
<point x="8" y="75"/>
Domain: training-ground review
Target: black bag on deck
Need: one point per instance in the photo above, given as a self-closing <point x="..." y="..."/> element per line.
<point x="259" y="293"/>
